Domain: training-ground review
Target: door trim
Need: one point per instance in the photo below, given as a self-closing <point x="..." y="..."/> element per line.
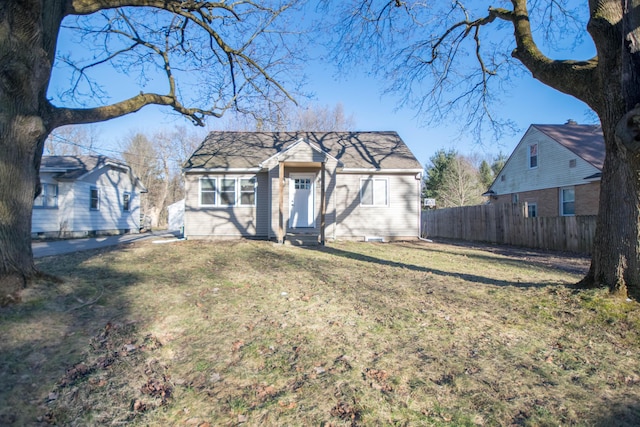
<point x="312" y="199"/>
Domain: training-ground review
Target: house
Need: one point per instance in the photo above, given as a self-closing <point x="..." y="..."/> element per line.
<point x="326" y="185"/>
<point x="86" y="195"/>
<point x="555" y="169"/>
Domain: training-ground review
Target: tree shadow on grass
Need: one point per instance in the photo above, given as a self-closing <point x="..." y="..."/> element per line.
<point x="564" y="261"/>
<point x="48" y="332"/>
<point x="625" y="413"/>
<point x="473" y="278"/>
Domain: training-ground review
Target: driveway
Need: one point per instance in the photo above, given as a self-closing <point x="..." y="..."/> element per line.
<point x="58" y="247"/>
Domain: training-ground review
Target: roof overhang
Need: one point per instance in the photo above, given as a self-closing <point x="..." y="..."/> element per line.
<point x="222" y="170"/>
<point x="380" y="170"/>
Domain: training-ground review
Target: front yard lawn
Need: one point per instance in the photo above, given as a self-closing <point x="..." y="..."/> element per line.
<point x="252" y="333"/>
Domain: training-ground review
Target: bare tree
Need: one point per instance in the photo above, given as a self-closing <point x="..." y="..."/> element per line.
<point x="461" y="184"/>
<point x="72" y="141"/>
<point x="312" y="117"/>
<point x="455" y="57"/>
<point x="210" y="56"/>
<point x="157" y="160"/>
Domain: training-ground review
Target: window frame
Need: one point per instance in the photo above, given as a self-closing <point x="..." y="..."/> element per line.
<point x="93" y="189"/>
<point x="41" y="202"/>
<point x="373" y="192"/>
<point x="234" y="196"/>
<point x="532" y="207"/>
<point x="126" y="201"/>
<point x="232" y="201"/>
<point x="564" y="202"/>
<point x="214" y="191"/>
<point x="241" y="191"/>
<point x="530" y="157"/>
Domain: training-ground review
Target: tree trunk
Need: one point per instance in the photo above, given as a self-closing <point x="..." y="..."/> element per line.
<point x="25" y="67"/>
<point x="616" y="255"/>
<point x="19" y="178"/>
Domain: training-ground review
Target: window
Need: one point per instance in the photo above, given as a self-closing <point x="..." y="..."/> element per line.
<point x="231" y="192"/>
<point x="373" y="192"/>
<point x="567" y="202"/>
<point x="302" y="183"/>
<point x="532" y="210"/>
<point x="533" y="156"/>
<point x="572" y="163"/>
<point x="207" y="191"/>
<point x="228" y="192"/>
<point x="126" y="202"/>
<point x="94" y="199"/>
<point x="48" y="198"/>
<point x="248" y="191"/>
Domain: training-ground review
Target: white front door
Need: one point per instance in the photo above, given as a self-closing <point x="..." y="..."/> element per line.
<point x="301" y="191"/>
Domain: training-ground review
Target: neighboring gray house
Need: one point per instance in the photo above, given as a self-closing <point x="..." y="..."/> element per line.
<point x="86" y="195"/>
<point x="324" y="185"/>
<point x="555" y="169"/>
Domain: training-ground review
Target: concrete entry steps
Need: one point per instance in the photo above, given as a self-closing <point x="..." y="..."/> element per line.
<point x="302" y="239"/>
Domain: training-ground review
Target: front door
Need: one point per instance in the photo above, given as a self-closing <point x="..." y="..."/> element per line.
<point x="301" y="193"/>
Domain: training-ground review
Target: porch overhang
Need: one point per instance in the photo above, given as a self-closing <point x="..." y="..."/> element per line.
<point x="321" y="166"/>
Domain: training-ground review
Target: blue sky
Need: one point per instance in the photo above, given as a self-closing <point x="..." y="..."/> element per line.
<point x="528" y="103"/>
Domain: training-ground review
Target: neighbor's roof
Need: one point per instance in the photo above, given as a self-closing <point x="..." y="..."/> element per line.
<point x="358" y="150"/>
<point x="585" y="141"/>
<point x="70" y="168"/>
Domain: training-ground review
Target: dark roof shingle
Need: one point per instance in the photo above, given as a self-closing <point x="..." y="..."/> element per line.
<point x="362" y="150"/>
<point x="585" y="141"/>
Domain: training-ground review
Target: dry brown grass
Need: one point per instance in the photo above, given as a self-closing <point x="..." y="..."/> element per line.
<point x="252" y="333"/>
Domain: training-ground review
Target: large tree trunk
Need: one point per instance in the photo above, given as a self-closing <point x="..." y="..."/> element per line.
<point x="616" y="255"/>
<point x="25" y="66"/>
<point x="19" y="164"/>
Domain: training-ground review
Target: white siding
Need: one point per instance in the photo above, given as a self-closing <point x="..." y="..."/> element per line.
<point x="46" y="220"/>
<point x="74" y="214"/>
<point x="112" y="184"/>
<point x="553" y="167"/>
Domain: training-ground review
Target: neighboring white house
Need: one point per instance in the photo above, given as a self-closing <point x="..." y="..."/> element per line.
<point x="555" y="169"/>
<point x="86" y="195"/>
<point x="279" y="185"/>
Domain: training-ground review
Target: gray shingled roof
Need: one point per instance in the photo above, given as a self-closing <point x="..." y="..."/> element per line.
<point x="362" y="150"/>
<point x="585" y="141"/>
<point x="70" y="168"/>
<point x="73" y="167"/>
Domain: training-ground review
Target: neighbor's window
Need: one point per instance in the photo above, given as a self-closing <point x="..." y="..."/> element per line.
<point x="533" y="156"/>
<point x="374" y="192"/>
<point x="228" y="191"/>
<point x="532" y="210"/>
<point x="207" y="191"/>
<point x="247" y="191"/>
<point x="48" y="198"/>
<point x="126" y="202"/>
<point x="94" y="199"/>
<point x="567" y="202"/>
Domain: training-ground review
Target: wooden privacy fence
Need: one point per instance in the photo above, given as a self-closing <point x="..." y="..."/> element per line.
<point x="507" y="224"/>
